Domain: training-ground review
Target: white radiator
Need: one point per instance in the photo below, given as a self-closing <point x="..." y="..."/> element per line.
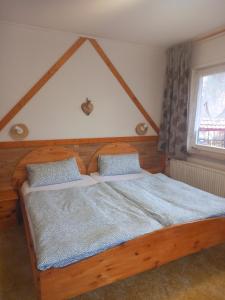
<point x="207" y="179"/>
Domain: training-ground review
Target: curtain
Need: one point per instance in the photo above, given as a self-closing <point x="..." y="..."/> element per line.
<point x="174" y="120"/>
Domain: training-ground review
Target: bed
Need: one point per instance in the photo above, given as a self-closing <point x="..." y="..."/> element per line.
<point x="145" y="252"/>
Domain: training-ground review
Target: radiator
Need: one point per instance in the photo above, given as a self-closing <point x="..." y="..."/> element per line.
<point x="207" y="179"/>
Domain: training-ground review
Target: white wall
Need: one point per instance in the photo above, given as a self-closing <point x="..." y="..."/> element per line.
<point x="27" y="52"/>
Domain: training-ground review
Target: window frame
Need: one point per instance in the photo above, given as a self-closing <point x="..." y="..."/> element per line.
<point x="197" y="73"/>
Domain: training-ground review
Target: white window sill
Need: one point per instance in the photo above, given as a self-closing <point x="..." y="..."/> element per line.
<point x="207" y="157"/>
<point x="207" y="149"/>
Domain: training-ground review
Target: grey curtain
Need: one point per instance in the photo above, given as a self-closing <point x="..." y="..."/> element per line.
<point x="173" y="127"/>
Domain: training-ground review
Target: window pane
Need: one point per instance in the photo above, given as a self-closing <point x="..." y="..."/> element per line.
<point x="211" y="111"/>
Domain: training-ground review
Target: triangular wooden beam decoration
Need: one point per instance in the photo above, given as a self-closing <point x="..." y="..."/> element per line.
<point x="41" y="82"/>
<point x="59" y="63"/>
<point x="123" y="84"/>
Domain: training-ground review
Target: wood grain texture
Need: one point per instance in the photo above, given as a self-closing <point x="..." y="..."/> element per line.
<point x="41" y="82"/>
<point x="123" y="83"/>
<point x="30" y="246"/>
<point x="114" y="148"/>
<point x="8" y="200"/>
<point x="146" y="252"/>
<point x="209" y="35"/>
<point x="42" y="155"/>
<point x="143" y="253"/>
<point x="8" y="195"/>
<point x="9" y="157"/>
<point x="7" y="213"/>
<point x="40" y="143"/>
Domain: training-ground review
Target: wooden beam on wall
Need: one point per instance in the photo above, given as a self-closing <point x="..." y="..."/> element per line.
<point x="41" y="82"/>
<point x="59" y="63"/>
<point x="210" y="35"/>
<point x="41" y="143"/>
<point x="122" y="82"/>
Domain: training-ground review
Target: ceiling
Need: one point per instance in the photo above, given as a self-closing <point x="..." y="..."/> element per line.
<point x="159" y="22"/>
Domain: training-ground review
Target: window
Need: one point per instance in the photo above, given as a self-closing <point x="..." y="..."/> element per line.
<point x="208" y="110"/>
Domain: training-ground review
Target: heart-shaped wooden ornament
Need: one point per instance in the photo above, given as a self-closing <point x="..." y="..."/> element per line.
<point x="87" y="107"/>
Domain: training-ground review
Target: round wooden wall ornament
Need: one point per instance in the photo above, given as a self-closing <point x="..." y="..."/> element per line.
<point x="141" y="128"/>
<point x="18" y="132"/>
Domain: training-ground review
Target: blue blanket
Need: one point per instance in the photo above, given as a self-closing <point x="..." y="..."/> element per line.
<point x="72" y="224"/>
<point x="170" y="201"/>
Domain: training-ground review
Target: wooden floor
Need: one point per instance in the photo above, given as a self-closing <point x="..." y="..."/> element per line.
<point x="197" y="277"/>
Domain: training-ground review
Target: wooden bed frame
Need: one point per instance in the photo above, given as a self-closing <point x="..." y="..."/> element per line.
<point x="143" y="253"/>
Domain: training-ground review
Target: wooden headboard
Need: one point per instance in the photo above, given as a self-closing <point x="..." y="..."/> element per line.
<point x="114" y="148"/>
<point x="43" y="155"/>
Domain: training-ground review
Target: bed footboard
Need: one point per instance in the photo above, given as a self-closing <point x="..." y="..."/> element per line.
<point x="143" y="253"/>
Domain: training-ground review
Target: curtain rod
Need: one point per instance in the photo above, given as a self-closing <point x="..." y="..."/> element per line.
<point x="209" y="35"/>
